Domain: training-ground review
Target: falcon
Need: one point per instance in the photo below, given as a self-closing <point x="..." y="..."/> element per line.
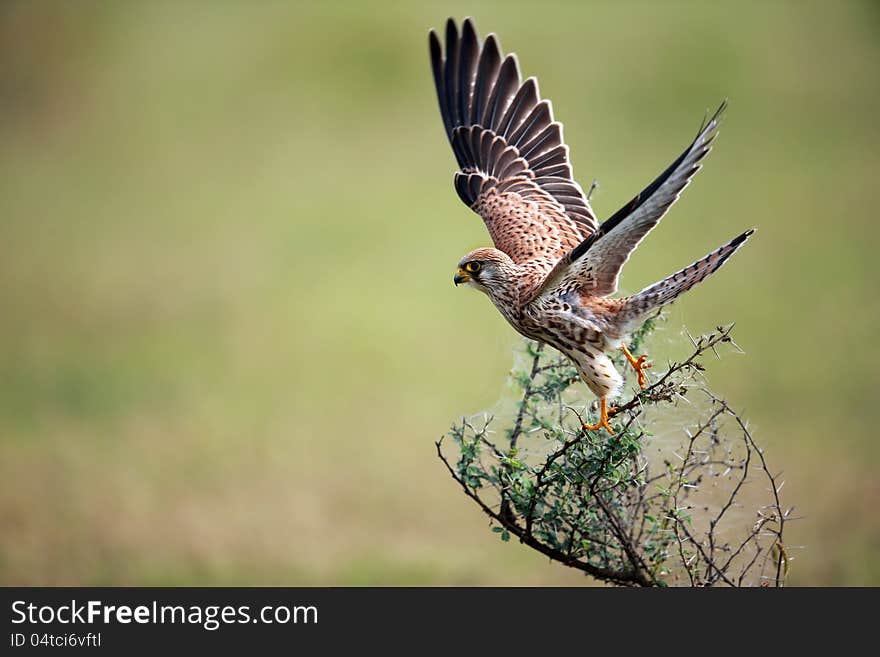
<point x="554" y="266"/>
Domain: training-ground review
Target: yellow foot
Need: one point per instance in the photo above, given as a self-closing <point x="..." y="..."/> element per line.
<point x="638" y="364"/>
<point x="603" y="419"/>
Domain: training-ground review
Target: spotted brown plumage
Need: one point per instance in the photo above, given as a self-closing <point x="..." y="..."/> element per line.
<point x="553" y="265"/>
<point x="514" y="163"/>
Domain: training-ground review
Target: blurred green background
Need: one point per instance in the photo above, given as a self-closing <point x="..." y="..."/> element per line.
<point x="228" y="330"/>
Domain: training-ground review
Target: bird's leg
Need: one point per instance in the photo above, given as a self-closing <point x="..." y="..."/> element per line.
<point x="603" y="419"/>
<point x="638" y="364"/>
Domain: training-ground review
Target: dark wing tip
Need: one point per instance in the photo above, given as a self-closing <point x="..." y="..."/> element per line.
<point x="451" y="35"/>
<point x="434" y="46"/>
<point x="737" y="241"/>
<point x="710" y="122"/>
<point x="716" y="117"/>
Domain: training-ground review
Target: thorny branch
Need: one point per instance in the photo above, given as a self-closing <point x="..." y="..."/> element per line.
<point x="604" y="505"/>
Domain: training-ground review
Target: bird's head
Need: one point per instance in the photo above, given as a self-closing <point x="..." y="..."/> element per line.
<point x="488" y="270"/>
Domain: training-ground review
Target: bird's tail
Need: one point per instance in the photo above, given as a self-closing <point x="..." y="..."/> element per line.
<point x="669" y="289"/>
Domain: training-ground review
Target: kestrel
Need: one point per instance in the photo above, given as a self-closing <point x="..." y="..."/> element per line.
<point x="553" y="266"/>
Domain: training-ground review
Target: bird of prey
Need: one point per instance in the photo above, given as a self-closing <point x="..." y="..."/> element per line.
<point x="554" y="266"/>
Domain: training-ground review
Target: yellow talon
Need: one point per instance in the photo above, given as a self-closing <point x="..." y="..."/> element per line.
<point x="638" y="364"/>
<point x="603" y="419"/>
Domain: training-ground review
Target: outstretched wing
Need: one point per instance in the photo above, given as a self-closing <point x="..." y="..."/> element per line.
<point x="515" y="171"/>
<point x="594" y="265"/>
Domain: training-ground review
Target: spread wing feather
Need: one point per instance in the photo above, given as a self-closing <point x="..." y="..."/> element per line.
<point x="593" y="267"/>
<point x="515" y="171"/>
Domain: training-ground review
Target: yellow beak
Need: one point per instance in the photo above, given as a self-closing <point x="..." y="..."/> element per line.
<point x="461" y="276"/>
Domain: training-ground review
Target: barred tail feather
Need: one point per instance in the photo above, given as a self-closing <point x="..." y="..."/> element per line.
<point x="669" y="289"/>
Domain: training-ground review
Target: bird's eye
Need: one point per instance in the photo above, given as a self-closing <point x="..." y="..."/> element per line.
<point x="473" y="267"/>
